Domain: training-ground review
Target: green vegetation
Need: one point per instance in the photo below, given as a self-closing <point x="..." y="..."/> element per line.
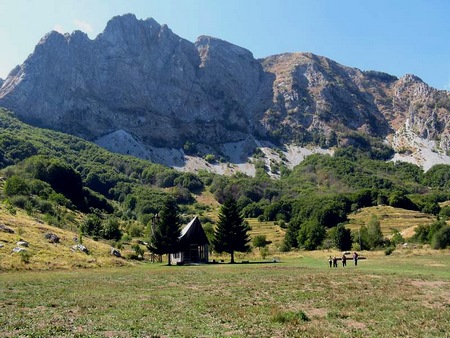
<point x="231" y="233"/>
<point x="165" y="234"/>
<point x="73" y="184"/>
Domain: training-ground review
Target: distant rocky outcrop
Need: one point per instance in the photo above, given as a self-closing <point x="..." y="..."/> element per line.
<point x="1" y="82"/>
<point x="141" y="83"/>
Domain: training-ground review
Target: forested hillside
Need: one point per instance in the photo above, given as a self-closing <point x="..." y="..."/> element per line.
<point x="46" y="172"/>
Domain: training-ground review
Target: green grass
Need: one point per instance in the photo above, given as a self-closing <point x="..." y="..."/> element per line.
<point x="405" y="294"/>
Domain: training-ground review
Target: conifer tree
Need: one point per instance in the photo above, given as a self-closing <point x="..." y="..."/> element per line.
<point x="231" y="233"/>
<point x="166" y="230"/>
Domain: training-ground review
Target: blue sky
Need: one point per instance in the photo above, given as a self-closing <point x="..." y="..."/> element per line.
<point x="395" y="36"/>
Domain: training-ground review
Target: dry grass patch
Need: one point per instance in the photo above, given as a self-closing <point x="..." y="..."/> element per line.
<point x="43" y="255"/>
<point x="390" y="218"/>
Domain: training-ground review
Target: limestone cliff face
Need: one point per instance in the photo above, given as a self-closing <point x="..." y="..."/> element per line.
<point x="317" y="96"/>
<point x="141" y="79"/>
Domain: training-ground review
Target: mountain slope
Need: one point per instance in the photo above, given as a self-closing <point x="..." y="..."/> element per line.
<point x="140" y="80"/>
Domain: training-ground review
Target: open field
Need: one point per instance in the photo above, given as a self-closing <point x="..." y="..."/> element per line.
<point x="405" y="294"/>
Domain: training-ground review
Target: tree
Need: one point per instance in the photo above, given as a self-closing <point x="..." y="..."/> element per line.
<point x="261" y="242"/>
<point x="166" y="231"/>
<point x="441" y="238"/>
<point x="231" y="233"/>
<point x="375" y="236"/>
<point x="111" y="229"/>
<point x="311" y="234"/>
<point x="15" y="185"/>
<point x="342" y="238"/>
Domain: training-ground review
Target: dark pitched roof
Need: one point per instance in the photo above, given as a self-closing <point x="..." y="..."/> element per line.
<point x="193" y="233"/>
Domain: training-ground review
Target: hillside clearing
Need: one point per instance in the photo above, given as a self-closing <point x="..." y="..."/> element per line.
<point x="390" y="218"/>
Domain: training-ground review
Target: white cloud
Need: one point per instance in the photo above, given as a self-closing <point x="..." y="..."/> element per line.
<point x="59" y="29"/>
<point x="84" y="26"/>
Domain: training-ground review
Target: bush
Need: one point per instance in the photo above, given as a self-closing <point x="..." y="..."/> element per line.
<point x="290" y="317"/>
<point x="445" y="212"/>
<point x="441" y="238"/>
<point x="138" y="250"/>
<point x="389" y="250"/>
<point x="19" y="201"/>
<point x="111" y="229"/>
<point x="135" y="230"/>
<point x="25" y="256"/>
<point x="15" y="185"/>
<point x="210" y="158"/>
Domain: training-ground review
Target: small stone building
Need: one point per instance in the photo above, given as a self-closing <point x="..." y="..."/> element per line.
<point x="194" y="244"/>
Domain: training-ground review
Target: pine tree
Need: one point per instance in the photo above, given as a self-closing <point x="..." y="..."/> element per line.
<point x="231" y="233"/>
<point x="166" y="230"/>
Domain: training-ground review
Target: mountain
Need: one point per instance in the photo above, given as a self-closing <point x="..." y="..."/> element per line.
<point x="140" y="89"/>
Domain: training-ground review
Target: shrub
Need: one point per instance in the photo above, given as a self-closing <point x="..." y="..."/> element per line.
<point x="389" y="250"/>
<point x="210" y="158"/>
<point x="135" y="230"/>
<point x="111" y="229"/>
<point x="397" y="238"/>
<point x="290" y="317"/>
<point x="19" y="201"/>
<point x="138" y="250"/>
<point x="441" y="238"/>
<point x="126" y="238"/>
<point x="25" y="256"/>
<point x="15" y="185"/>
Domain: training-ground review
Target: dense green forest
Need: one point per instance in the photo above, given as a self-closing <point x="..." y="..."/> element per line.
<point x="48" y="172"/>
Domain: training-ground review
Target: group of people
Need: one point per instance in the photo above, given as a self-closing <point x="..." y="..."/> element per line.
<point x="333" y="261"/>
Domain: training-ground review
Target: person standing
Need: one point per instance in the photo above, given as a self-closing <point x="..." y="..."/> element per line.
<point x="335" y="261"/>
<point x="355" y="258"/>
<point x="344" y="260"/>
<point x="330" y="261"/>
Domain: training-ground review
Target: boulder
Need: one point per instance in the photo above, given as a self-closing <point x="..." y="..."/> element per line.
<point x="52" y="238"/>
<point x="115" y="252"/>
<point x="22" y="243"/>
<point x="4" y="228"/>
<point x="17" y="249"/>
<point x="80" y="247"/>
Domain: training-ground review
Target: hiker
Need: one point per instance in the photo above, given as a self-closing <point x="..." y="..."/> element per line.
<point x="344" y="260"/>
<point x="330" y="261"/>
<point x="355" y="258"/>
<point x="335" y="261"/>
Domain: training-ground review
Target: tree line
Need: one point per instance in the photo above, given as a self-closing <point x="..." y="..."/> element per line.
<point x="48" y="172"/>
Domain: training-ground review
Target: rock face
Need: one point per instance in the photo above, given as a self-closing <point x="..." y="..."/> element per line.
<point x="140" y="77"/>
<point x="141" y="82"/>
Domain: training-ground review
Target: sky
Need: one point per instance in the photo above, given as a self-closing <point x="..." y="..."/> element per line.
<point x="394" y="36"/>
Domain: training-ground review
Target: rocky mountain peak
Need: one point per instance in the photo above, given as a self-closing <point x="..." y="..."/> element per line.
<point x="160" y="90"/>
<point x="127" y="28"/>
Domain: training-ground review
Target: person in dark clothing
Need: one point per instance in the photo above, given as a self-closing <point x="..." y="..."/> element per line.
<point x="330" y="261"/>
<point x="335" y="261"/>
<point x="355" y="258"/>
<point x="344" y="260"/>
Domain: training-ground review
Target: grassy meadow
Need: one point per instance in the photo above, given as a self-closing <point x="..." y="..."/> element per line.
<point x="406" y="294"/>
<point x="61" y="293"/>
